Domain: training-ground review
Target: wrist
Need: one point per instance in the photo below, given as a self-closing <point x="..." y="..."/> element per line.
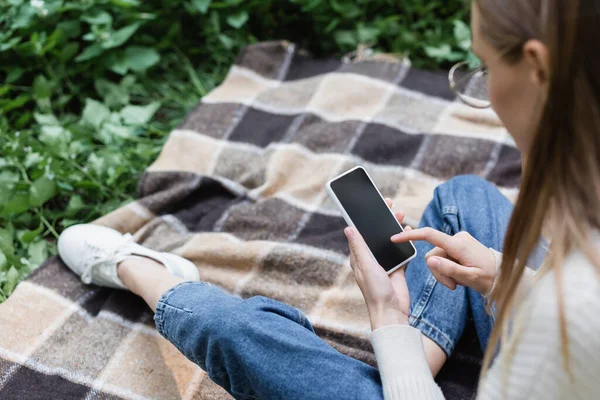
<point x="495" y="261"/>
<point x="382" y="316"/>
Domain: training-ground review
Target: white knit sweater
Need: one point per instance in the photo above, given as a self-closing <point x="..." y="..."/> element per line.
<point x="536" y="368"/>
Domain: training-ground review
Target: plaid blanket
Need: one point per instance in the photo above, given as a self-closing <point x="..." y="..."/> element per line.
<point x="239" y="189"/>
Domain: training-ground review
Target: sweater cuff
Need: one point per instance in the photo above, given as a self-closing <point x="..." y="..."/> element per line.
<point x="498" y="258"/>
<point x="399" y="351"/>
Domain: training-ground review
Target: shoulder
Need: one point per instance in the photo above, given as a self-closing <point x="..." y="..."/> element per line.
<point x="579" y="289"/>
<point x="531" y="360"/>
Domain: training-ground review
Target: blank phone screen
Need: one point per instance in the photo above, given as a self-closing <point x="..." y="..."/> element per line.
<point x="372" y="218"/>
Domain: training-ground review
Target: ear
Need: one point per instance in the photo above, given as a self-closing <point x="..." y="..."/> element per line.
<point x="537" y="56"/>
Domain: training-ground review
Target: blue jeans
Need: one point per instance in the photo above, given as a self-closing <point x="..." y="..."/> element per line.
<point x="261" y="348"/>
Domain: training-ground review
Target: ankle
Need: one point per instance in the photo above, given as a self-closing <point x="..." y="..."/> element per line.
<point x="135" y="261"/>
<point x="128" y="268"/>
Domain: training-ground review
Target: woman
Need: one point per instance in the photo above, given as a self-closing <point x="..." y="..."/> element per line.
<point x="542" y="62"/>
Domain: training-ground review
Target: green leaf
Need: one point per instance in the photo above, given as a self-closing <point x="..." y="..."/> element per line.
<point x="473" y="61"/>
<point x="32" y="159"/>
<point x="141" y="58"/>
<point x="367" y="34"/>
<point x="12" y="278"/>
<point x="3" y="262"/>
<point x="113" y="95"/>
<point x="69" y="51"/>
<point x="226" y="41"/>
<point x="45" y="119"/>
<point x="116" y="63"/>
<point x="89" y="37"/>
<point x="67" y="222"/>
<point x="96" y="163"/>
<point x="7" y="178"/>
<point x="42" y="88"/>
<point x="6" y="240"/>
<point x="202" y="5"/>
<point x="462" y="34"/>
<point x="139" y="115"/>
<point x="332" y="25"/>
<point x="24" y="17"/>
<point x="41" y="190"/>
<point x="90" y="52"/>
<point x="9" y="44"/>
<point x="56" y="137"/>
<point x="238" y="19"/>
<point x="110" y="131"/>
<point x="70" y="28"/>
<point x="15" y="103"/>
<point x="346" y="38"/>
<point x="25" y="117"/>
<point x="95" y="113"/>
<point x="443" y="53"/>
<point x="348" y="10"/>
<point x="75" y="205"/>
<point x="38" y="252"/>
<point x="18" y="204"/>
<point x="97" y="17"/>
<point x="128" y="82"/>
<point x="214" y="20"/>
<point x="119" y="37"/>
<point x="14" y="74"/>
<point x="28" y="236"/>
<point x="126" y="3"/>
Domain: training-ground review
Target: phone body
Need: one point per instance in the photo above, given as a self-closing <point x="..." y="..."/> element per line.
<point x="364" y="208"/>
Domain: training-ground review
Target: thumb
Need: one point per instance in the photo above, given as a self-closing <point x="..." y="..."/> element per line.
<point x="447" y="268"/>
<point x="358" y="246"/>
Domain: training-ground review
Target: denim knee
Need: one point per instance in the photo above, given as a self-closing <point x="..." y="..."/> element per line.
<point x="475" y="205"/>
<point x="457" y="187"/>
<point x="465" y="181"/>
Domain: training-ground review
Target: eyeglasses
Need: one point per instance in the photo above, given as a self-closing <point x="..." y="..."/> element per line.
<point x="470" y="85"/>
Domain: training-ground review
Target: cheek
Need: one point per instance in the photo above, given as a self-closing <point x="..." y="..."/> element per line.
<point x="510" y="99"/>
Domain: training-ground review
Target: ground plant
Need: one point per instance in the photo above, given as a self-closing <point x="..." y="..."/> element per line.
<point x="89" y="89"/>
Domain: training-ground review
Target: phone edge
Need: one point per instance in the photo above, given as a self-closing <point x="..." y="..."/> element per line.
<point x="348" y="220"/>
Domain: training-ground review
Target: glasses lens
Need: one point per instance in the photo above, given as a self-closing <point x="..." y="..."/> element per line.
<point x="471" y="85"/>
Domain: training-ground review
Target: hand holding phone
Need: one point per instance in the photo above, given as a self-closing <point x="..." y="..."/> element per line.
<point x="364" y="208"/>
<point x="372" y="225"/>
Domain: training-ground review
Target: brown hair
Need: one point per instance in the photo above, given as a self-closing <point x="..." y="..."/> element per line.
<point x="561" y="179"/>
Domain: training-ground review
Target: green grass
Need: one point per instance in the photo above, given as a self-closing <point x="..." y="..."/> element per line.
<point x="90" y="89"/>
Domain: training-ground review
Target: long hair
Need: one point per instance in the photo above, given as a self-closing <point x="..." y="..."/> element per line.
<point x="560" y="186"/>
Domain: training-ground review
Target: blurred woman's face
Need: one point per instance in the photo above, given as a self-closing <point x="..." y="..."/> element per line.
<point x="513" y="92"/>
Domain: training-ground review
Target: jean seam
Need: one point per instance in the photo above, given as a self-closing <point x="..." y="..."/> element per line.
<point x="301" y="318"/>
<point x="424" y="298"/>
<point x="185" y="310"/>
<point x="447" y="228"/>
<point x="452" y="210"/>
<point x="163" y="303"/>
<point x="435" y="328"/>
<point x="217" y="375"/>
<point x="436" y="335"/>
<point x="238" y="395"/>
<point x="160" y="308"/>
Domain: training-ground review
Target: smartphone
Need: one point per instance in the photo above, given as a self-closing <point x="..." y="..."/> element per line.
<point x="364" y="208"/>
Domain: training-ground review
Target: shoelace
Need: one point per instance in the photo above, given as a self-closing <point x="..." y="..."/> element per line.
<point x="100" y="253"/>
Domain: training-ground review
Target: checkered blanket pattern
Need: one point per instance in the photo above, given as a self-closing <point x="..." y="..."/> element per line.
<point x="238" y="189"/>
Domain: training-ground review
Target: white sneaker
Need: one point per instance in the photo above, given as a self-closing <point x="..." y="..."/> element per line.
<point x="93" y="252"/>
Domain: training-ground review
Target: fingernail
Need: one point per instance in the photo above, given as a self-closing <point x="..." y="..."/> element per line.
<point x="436" y="262"/>
<point x="395" y="237"/>
<point x="348" y="232"/>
